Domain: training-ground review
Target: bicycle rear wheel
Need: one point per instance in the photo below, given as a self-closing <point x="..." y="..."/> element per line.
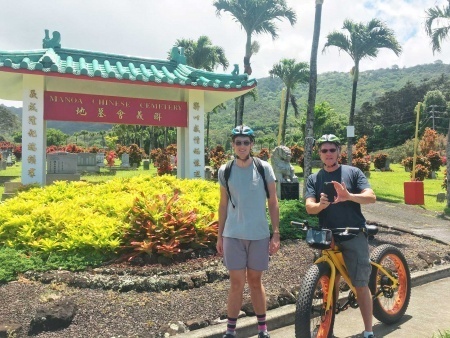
<point x="311" y="319"/>
<point x="391" y="303"/>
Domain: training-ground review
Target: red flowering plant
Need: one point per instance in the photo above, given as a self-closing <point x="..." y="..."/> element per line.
<point x="110" y="158"/>
<point x="17" y="151"/>
<point x="164" y="165"/>
<point x="73" y="148"/>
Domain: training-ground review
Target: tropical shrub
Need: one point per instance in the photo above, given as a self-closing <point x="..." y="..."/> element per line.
<point x="360" y="158"/>
<point x="264" y="154"/>
<point x="408" y="162"/>
<point x="296" y="153"/>
<point x="39" y="224"/>
<point x="428" y="141"/>
<point x="217" y="157"/>
<point x="421" y="172"/>
<point x="379" y="161"/>
<point x="73" y="148"/>
<point x="111" y="158"/>
<point x="161" y="226"/>
<point x="136" y="154"/>
<point x="163" y="164"/>
<point x="171" y="149"/>
<point x="154" y="155"/>
<point x="17" y="151"/>
<point x="435" y="160"/>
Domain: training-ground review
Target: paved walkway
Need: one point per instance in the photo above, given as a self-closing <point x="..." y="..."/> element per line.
<point x="427" y="313"/>
<point x="409" y="218"/>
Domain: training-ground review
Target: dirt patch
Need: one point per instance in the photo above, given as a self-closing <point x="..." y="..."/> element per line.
<point x="134" y="312"/>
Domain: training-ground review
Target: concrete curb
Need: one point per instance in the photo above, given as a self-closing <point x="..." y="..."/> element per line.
<point x="285" y="315"/>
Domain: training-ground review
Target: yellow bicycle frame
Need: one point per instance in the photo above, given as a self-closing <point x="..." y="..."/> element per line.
<point x="333" y="257"/>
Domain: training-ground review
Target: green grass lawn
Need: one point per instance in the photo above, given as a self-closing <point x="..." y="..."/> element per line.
<point x="388" y="186"/>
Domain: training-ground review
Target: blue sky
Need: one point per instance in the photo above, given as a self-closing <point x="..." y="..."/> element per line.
<point x="150" y="27"/>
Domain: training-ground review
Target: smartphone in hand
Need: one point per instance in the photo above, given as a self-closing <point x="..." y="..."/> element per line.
<point x="330" y="191"/>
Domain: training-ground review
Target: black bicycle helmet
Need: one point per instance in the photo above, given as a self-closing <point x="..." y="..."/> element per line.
<point x="242" y="131"/>
<point x="328" y="138"/>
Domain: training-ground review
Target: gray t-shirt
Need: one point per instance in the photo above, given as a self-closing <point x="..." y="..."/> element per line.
<point x="248" y="220"/>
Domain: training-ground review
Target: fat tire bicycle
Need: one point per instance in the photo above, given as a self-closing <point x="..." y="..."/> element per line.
<point x="389" y="283"/>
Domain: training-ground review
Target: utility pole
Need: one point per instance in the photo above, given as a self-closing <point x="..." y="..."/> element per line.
<point x="432" y="113"/>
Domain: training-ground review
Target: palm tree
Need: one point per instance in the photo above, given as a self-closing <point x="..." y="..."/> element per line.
<point x="362" y="41"/>
<point x="208" y="118"/>
<point x="291" y="73"/>
<point x="437" y="25"/>
<point x="309" y="128"/>
<point x="237" y="104"/>
<point x="438" y="32"/>
<point x="255" y="17"/>
<point x="203" y="54"/>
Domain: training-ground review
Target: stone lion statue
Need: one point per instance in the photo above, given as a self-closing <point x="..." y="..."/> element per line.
<point x="284" y="171"/>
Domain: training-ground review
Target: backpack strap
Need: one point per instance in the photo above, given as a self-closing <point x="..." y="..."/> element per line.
<point x="260" y="168"/>
<point x="227" y="174"/>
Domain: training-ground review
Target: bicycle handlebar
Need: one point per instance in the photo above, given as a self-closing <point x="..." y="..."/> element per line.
<point x="342" y="231"/>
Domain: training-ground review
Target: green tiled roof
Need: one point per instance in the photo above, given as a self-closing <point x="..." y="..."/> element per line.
<point x="54" y="59"/>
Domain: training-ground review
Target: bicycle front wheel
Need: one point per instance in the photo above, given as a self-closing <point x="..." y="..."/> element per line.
<point x="311" y="318"/>
<point x="391" y="302"/>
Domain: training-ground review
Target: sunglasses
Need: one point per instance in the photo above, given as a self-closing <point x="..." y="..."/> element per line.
<point x="324" y="151"/>
<point x="239" y="143"/>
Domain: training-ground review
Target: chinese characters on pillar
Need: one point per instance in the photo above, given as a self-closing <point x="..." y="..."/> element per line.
<point x="197" y="137"/>
<point x="32" y="132"/>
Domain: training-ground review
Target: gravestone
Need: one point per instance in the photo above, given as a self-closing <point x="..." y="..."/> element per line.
<point x="9" y="161"/>
<point x="125" y="160"/>
<point x="11" y="189"/>
<point x="2" y="165"/>
<point x="100" y="159"/>
<point x="146" y="164"/>
<point x="441" y="197"/>
<point x="62" y="166"/>
<point x="87" y="162"/>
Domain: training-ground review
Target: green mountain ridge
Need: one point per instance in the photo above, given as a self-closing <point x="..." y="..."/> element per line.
<point x="332" y="87"/>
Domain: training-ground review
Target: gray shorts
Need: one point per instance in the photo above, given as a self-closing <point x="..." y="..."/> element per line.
<point x="239" y="254"/>
<point x="357" y="260"/>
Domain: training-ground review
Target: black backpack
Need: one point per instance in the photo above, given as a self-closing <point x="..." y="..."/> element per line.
<point x="260" y="168"/>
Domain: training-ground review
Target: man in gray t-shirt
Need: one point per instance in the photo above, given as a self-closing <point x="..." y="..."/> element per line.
<point x="352" y="190"/>
<point x="243" y="237"/>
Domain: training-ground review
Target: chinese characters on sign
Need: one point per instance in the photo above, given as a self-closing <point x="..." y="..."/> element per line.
<point x="197" y="137"/>
<point x="111" y="109"/>
<point x="32" y="133"/>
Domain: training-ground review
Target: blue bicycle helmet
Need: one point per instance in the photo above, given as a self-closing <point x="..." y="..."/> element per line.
<point x="242" y="131"/>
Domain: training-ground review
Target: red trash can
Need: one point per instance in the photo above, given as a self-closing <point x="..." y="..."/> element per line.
<point x="414" y="193"/>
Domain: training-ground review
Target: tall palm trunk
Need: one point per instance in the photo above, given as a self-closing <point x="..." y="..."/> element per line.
<point x="248" y="70"/>
<point x="286" y="103"/>
<point x="309" y="127"/>
<point x="352" y="111"/>
<point x="448" y="165"/>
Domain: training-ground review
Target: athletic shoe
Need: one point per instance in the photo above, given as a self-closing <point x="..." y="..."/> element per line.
<point x="263" y="335"/>
<point x="229" y="335"/>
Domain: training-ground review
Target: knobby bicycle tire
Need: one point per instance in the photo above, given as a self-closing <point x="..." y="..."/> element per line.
<point x="311" y="320"/>
<point x="391" y="305"/>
